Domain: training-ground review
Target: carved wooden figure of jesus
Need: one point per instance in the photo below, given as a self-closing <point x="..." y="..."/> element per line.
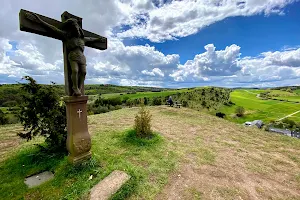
<point x="73" y="35"/>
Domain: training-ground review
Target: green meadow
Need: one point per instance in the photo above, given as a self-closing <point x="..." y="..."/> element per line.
<point x="145" y="94"/>
<point x="260" y="109"/>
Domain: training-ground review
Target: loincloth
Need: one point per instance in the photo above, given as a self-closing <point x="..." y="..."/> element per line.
<point x="78" y="57"/>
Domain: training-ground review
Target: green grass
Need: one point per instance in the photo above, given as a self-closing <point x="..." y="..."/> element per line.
<point x="144" y="94"/>
<point x="256" y="108"/>
<point x="111" y="151"/>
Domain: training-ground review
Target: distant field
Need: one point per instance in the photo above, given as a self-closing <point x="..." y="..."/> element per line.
<point x="256" y="108"/>
<point x="144" y="94"/>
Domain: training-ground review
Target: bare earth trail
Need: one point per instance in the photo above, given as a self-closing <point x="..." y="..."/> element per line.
<point x="288" y="115"/>
<point x="217" y="159"/>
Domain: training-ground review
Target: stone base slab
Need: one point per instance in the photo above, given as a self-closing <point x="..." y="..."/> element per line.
<point x="109" y="185"/>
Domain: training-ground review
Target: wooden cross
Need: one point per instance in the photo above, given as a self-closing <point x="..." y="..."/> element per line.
<point x="29" y="25"/>
<point x="79" y="112"/>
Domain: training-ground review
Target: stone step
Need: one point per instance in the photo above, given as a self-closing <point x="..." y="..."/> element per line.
<point x="109" y="185"/>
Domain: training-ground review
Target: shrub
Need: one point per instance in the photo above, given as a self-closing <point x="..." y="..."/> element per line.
<point x="118" y="107"/>
<point x="100" y="109"/>
<point x="125" y="99"/>
<point x="13" y="119"/>
<point x="184" y="103"/>
<point x="240" y="111"/>
<point x="156" y="101"/>
<point x="142" y="124"/>
<point x="42" y="114"/>
<point x="3" y="118"/>
<point x="10" y="104"/>
<point x="290" y="122"/>
<point x="220" y="114"/>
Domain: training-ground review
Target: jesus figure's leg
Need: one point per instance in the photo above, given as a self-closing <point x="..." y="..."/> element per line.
<point x="82" y="73"/>
<point x="74" y="77"/>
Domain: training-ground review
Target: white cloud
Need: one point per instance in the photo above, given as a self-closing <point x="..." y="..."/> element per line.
<point x="225" y="67"/>
<point x="131" y="62"/>
<point x="183" y="18"/>
<point x="41" y="57"/>
<point x="154" y="72"/>
<point x="209" y="63"/>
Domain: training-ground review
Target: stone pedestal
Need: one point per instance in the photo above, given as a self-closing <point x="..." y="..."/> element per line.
<point x="78" y="139"/>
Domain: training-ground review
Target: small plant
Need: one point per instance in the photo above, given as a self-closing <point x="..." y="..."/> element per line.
<point x="240" y="111"/>
<point x="142" y="124"/>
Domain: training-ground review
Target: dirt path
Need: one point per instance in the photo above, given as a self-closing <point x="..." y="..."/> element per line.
<point x="288" y="115"/>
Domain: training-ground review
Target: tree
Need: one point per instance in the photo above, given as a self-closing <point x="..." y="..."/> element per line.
<point x="43" y="113"/>
<point x="240" y="111"/>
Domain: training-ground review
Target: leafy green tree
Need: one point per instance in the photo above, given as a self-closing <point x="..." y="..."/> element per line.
<point x="42" y="113"/>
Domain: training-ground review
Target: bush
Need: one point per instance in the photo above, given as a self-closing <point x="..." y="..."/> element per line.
<point x="3" y="118"/>
<point x="10" y="104"/>
<point x="13" y="119"/>
<point x="290" y="122"/>
<point x="240" y="111"/>
<point x="156" y="101"/>
<point x="118" y="107"/>
<point x="100" y="109"/>
<point x="125" y="99"/>
<point x="142" y="124"/>
<point x="220" y="114"/>
<point x="42" y="114"/>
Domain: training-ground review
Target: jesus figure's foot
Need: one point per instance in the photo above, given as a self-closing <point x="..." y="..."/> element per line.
<point x="76" y="92"/>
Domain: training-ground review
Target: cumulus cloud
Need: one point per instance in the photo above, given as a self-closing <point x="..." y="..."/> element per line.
<point x="210" y="63"/>
<point x="135" y="63"/>
<point x="154" y="72"/>
<point x="157" y="21"/>
<point x="226" y="67"/>
<point x="177" y="19"/>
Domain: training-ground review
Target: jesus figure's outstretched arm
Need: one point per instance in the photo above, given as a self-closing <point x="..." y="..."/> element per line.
<point x="34" y="17"/>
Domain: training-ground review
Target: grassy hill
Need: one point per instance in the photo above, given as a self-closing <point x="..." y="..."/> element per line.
<point x="196" y="156"/>
<point x="257" y="108"/>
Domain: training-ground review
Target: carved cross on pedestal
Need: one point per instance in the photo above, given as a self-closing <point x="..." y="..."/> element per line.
<point x="79" y="112"/>
<point x="74" y="39"/>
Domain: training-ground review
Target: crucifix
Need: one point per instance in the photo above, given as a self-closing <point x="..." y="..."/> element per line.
<point x="74" y="39"/>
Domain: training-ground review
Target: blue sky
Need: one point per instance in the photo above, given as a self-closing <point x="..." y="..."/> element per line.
<point x="163" y="43"/>
<point x="255" y="34"/>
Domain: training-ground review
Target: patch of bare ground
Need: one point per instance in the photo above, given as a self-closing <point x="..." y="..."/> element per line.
<point x="9" y="139"/>
<point x="222" y="160"/>
<point x="218" y="159"/>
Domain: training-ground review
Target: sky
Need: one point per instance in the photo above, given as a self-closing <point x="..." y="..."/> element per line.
<point x="162" y="43"/>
